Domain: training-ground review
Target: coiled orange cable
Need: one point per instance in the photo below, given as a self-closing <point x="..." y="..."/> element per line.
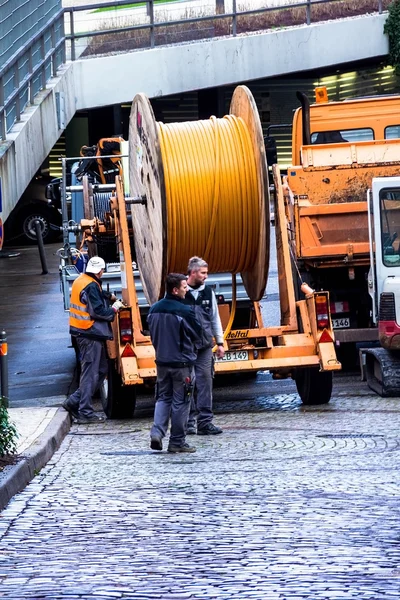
<point x="212" y="194"/>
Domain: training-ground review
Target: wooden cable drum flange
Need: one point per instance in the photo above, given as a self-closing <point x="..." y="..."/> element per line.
<point x="206" y="185"/>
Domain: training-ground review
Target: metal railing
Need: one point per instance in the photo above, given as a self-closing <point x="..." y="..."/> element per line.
<point x="27" y="71"/>
<point x="154" y="32"/>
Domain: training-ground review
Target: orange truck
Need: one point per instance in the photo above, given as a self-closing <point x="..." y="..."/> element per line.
<point x="337" y="148"/>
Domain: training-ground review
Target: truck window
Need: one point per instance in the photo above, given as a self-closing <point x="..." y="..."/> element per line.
<point x="344" y="135"/>
<point x="390" y="227"/>
<point x="392" y="132"/>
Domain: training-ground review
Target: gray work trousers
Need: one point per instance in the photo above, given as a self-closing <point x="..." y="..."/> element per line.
<point x="202" y="401"/>
<point x="94" y="368"/>
<point x="171" y="401"/>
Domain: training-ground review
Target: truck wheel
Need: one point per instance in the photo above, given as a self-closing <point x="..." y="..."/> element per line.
<point x="313" y="386"/>
<point x="118" y="400"/>
<point x="45" y="217"/>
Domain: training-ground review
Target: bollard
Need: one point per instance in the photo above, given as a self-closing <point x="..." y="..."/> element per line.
<point x="42" y="254"/>
<point x="3" y="368"/>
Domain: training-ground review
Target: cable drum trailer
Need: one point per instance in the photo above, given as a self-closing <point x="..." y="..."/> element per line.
<point x="182" y="204"/>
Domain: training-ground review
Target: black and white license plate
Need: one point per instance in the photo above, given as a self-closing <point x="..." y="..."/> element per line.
<point x="341" y="323"/>
<point x="232" y="355"/>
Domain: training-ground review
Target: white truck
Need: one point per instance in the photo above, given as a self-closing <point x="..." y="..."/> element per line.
<point x="382" y="365"/>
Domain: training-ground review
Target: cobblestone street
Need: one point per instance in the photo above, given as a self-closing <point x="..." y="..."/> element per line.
<point x="290" y="502"/>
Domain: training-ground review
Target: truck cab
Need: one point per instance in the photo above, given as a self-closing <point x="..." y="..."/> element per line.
<point x="384" y="278"/>
<point x="381" y="365"/>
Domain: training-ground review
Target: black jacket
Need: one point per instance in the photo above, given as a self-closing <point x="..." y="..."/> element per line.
<point x="175" y="332"/>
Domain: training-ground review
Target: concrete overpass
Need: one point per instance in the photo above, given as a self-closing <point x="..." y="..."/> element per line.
<point x="102" y="81"/>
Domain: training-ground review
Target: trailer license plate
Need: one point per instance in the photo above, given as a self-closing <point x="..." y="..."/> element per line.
<point x="340" y="323"/>
<point x="232" y="355"/>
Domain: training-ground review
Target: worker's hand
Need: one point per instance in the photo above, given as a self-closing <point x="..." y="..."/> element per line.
<point x="117" y="305"/>
<point x="113" y="298"/>
<point x="220" y="351"/>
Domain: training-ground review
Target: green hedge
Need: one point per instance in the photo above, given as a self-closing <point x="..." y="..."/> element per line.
<point x="392" y="29"/>
<point x="8" y="432"/>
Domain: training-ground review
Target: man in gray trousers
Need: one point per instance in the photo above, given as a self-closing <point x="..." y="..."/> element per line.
<point x="175" y="332"/>
<point x="90" y="320"/>
<point x="202" y="298"/>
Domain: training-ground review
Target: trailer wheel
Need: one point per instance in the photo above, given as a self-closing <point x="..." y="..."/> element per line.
<point x="118" y="401"/>
<point x="313" y="386"/>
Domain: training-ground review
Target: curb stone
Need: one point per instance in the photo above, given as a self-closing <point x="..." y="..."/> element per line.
<point x="15" y="478"/>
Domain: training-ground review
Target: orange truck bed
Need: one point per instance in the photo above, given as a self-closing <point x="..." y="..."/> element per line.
<point x="328" y="198"/>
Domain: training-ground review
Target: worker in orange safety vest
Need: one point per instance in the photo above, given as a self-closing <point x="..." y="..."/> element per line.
<point x="90" y="326"/>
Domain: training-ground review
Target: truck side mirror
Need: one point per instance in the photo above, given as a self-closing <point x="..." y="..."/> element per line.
<point x="52" y="191"/>
<point x="270" y="150"/>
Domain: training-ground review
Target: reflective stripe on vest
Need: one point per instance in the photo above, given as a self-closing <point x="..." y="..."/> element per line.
<point x="79" y="317"/>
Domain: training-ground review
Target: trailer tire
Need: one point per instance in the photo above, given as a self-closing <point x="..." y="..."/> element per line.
<point x="118" y="401"/>
<point x="314" y="386"/>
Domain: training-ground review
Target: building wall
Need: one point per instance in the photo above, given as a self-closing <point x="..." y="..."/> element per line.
<point x="31" y="139"/>
<point x="176" y="69"/>
<point x="222" y="61"/>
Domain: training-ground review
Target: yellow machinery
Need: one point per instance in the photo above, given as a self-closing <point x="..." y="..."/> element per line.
<point x="202" y="189"/>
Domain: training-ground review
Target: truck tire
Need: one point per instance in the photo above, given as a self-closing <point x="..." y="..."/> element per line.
<point x="46" y="218"/>
<point x="119" y="401"/>
<point x="313" y="386"/>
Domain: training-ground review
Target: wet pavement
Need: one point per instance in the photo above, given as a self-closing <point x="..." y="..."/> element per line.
<point x="40" y="358"/>
<point x="289" y="502"/>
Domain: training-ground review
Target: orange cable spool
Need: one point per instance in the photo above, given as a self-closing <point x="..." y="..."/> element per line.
<point x="206" y="186"/>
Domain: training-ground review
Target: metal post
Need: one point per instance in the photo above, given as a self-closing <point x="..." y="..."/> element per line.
<point x="308" y="12"/>
<point x="61" y="29"/>
<point x="43" y="56"/>
<point x="152" y="32"/>
<point x="3" y="114"/>
<point x="234" y="18"/>
<point x="380" y="7"/>
<point x="64" y="207"/>
<point x="3" y="368"/>
<point x="63" y="189"/>
<point x="219" y="7"/>
<point x="42" y="254"/>
<point x="30" y="83"/>
<point x="72" y="32"/>
<point x="16" y="87"/>
<point x="53" y="45"/>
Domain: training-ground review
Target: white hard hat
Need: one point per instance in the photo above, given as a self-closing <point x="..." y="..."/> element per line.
<point x="95" y="265"/>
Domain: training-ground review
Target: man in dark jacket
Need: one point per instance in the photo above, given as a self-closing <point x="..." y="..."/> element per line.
<point x="175" y="332"/>
<point x="89" y="321"/>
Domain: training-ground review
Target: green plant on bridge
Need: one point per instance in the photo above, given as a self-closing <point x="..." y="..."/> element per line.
<point x="392" y="29"/>
<point x="8" y="432"/>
